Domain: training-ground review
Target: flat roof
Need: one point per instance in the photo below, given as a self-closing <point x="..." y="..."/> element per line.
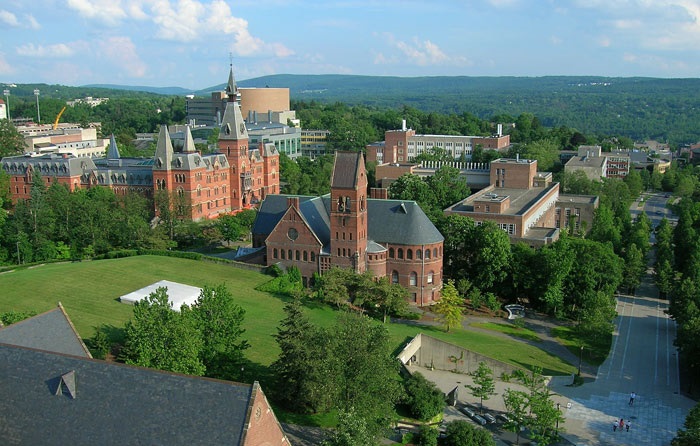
<point x="590" y="199"/>
<point x="520" y="199"/>
<point x="179" y="294"/>
<point x="586" y="161"/>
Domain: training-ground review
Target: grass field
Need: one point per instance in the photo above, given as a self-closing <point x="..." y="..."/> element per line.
<point x="509" y="329"/>
<point x="89" y="291"/>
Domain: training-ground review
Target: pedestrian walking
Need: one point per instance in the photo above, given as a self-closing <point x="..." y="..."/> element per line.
<point x="622" y="424"/>
<point x="627" y="426"/>
<point x="632" y="397"/>
<point x="615" y="425"/>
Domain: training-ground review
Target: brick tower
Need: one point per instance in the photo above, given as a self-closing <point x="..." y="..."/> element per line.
<point x="233" y="142"/>
<point x="348" y="216"/>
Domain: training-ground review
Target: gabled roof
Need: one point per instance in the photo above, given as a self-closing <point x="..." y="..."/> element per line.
<point x="111" y="403"/>
<point x="345" y="169"/>
<point x="389" y="221"/>
<point x="52" y="331"/>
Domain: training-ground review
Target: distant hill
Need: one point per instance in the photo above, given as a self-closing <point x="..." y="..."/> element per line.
<point x="167" y="91"/>
<point x="641" y="108"/>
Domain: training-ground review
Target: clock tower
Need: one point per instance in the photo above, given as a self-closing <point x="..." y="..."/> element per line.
<point x="348" y="212"/>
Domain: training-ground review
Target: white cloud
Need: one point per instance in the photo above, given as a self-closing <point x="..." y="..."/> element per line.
<point x="31" y="22"/>
<point x="58" y="50"/>
<point x="106" y="11"/>
<point x="182" y="21"/>
<point x="8" y="18"/>
<point x="5" y="67"/>
<point x="650" y="24"/>
<point x="419" y="52"/>
<point x="121" y="53"/>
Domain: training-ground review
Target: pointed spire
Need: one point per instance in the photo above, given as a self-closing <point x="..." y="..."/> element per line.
<point x="164" y="150"/>
<point x="231" y="88"/>
<point x="113" y="150"/>
<point x="188" y="146"/>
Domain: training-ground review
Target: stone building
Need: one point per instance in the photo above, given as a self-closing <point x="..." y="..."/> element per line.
<point x="390" y="238"/>
<point x="204" y="186"/>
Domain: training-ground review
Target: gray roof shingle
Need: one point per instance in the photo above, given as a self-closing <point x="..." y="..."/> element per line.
<point x="113" y="404"/>
<point x="51" y="331"/>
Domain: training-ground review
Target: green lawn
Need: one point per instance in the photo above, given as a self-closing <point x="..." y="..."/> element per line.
<point x="509" y="329"/>
<point x="89" y="291"/>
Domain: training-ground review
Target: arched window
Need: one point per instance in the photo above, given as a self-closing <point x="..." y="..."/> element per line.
<point x="394" y="277"/>
<point x="430" y="277"/>
<point x="362" y="203"/>
<point x="306" y="256"/>
<point x="391" y="253"/>
<point x="409" y="254"/>
<point x="400" y="253"/>
<point x="435" y="256"/>
<point x="282" y="253"/>
<point x="313" y="256"/>
<point x="274" y="253"/>
<point x="419" y="254"/>
<point x="298" y="256"/>
<point x="413" y="279"/>
<point x="289" y="254"/>
<point x="347" y="204"/>
<point x="427" y="254"/>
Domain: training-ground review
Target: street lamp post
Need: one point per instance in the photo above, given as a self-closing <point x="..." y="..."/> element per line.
<point x="558" y="415"/>
<point x="580" y="359"/>
<point x="6" y="92"/>
<point x="38" y="113"/>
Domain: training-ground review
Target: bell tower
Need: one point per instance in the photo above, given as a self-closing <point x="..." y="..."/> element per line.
<point x="233" y="142"/>
<point x="348" y="216"/>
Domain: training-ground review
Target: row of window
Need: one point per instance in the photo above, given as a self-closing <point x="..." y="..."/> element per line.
<point x="399" y="253"/>
<point x="300" y="256"/>
<point x="412" y="278"/>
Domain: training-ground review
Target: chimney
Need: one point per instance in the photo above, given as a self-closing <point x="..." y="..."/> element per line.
<point x="499" y="130"/>
<point x="293" y="201"/>
<point x="403" y="125"/>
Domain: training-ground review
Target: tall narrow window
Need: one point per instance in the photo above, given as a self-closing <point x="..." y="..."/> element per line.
<point x="394" y="277"/>
<point x="413" y="279"/>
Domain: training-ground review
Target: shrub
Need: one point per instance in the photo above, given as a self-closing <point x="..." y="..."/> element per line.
<point x="99" y="345"/>
<point x="492" y="302"/>
<point x="426" y="436"/>
<point x="424" y="399"/>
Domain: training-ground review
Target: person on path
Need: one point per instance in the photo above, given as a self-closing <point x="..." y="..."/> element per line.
<point x="615" y="425"/>
<point x="632" y="397"/>
<point x="622" y="424"/>
<point x="627" y="426"/>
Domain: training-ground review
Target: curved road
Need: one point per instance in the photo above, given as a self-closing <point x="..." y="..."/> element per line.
<point x="642" y="359"/>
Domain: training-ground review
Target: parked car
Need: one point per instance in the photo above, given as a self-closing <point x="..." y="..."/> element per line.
<point x="468" y="411"/>
<point x="479" y="419"/>
<point x="490" y="418"/>
<point x="503" y="418"/>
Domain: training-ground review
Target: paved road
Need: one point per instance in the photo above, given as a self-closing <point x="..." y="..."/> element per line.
<point x="642" y="360"/>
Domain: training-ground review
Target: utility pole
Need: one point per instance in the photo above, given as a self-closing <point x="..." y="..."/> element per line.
<point x="6" y="92"/>
<point x="19" y="261"/>
<point x="580" y="359"/>
<point x="38" y="113"/>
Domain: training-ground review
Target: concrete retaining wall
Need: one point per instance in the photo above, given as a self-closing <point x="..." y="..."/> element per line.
<point x="426" y="351"/>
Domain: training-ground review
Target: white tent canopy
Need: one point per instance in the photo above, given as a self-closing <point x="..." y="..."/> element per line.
<point x="178" y="294"/>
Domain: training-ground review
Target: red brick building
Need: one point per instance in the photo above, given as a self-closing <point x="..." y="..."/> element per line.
<point x="201" y="186"/>
<point x="390" y="238"/>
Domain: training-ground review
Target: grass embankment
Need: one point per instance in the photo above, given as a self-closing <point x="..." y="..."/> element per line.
<point x="509" y="329"/>
<point x="90" y="292"/>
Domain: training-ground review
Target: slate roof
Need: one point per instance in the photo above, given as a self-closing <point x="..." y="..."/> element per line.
<point x="389" y="221"/>
<point x="113" y="150"/>
<point x="345" y="169"/>
<point x="113" y="404"/>
<point x="51" y="331"/>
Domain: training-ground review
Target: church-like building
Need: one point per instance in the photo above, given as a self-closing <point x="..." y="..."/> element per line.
<point x="390" y="238"/>
<point x="202" y="186"/>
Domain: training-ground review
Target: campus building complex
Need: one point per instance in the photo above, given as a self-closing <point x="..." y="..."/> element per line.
<point x="390" y="238"/>
<point x="202" y="186"/>
<point x="401" y="146"/>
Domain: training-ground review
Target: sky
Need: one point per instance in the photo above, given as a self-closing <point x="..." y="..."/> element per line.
<point x="190" y="43"/>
